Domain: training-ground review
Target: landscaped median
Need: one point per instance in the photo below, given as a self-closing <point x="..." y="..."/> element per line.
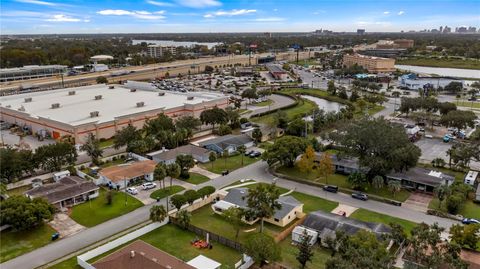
<point x="162" y="193"/>
<point x="98" y="210"/>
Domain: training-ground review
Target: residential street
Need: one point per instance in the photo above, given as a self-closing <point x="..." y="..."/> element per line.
<point x="255" y="171"/>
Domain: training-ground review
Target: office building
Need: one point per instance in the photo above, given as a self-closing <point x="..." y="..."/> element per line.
<point x="31" y="71"/>
<point x="372" y="64"/>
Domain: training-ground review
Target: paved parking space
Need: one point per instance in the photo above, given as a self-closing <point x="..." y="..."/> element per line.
<point x="418" y="201"/>
<point x="64" y="225"/>
<point x="13" y="139"/>
<point x="433" y="148"/>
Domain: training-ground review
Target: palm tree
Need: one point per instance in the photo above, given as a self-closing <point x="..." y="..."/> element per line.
<point x="158" y="213"/>
<point x="183" y="218"/>
<point x="377" y="182"/>
<point x="394" y="186"/>
<point x="160" y="173"/>
<point x="173" y="171"/>
<point x="92" y="148"/>
<point x="241" y="149"/>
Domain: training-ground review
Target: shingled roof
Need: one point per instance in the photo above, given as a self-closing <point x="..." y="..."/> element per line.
<point x="128" y="170"/>
<point x="227" y="140"/>
<point x="65" y="188"/>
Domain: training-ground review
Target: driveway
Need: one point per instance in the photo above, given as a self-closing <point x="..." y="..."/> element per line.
<point x="204" y="172"/>
<point x="64" y="225"/>
<point x="418" y="201"/>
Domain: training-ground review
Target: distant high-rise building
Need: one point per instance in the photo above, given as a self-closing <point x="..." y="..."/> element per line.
<point x="447" y="29"/>
<point x="157" y="51"/>
<point x="360" y="31"/>
<point x="472" y="29"/>
<point x="441" y="29"/>
<point x="268" y="34"/>
<point x="461" y="29"/>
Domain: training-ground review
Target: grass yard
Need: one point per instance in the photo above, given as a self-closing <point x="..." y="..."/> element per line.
<point x="196" y="179"/>
<point x="232" y="163"/>
<point x="441" y="62"/>
<point x="176" y="242"/>
<point x="19" y="190"/>
<point x="469" y="209"/>
<point x="14" y="244"/>
<point x="97" y="211"/>
<point x="468" y="104"/>
<point x="341" y="181"/>
<point x="112" y="163"/>
<point x="303" y="107"/>
<point x="370" y="216"/>
<point x="162" y="193"/>
<point x="289" y="254"/>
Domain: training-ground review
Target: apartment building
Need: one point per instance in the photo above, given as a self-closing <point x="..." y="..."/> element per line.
<point x="157" y="51"/>
<point x="372" y="64"/>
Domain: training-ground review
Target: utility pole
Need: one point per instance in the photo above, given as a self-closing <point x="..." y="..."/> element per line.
<point x="125" y="185"/>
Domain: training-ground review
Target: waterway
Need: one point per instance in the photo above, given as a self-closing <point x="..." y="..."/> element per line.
<point x="326" y="105"/>
<point x="176" y="43"/>
<point x="440" y="71"/>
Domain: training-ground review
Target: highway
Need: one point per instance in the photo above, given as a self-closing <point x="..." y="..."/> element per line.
<point x="257" y="171"/>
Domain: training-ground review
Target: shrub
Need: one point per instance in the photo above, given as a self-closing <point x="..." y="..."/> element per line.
<point x="205" y="191"/>
<point x="191" y="196"/>
<point x="454" y="203"/>
<point x="178" y="200"/>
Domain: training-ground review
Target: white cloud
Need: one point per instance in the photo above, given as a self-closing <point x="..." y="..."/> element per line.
<point x="199" y="3"/>
<point x="316" y="12"/>
<point x="63" y="18"/>
<point x="275" y="10"/>
<point x="386" y="12"/>
<point x="400" y="13"/>
<point x="269" y="19"/>
<point x="36" y="2"/>
<point x="160" y="4"/>
<point x="233" y="12"/>
<point x="145" y="15"/>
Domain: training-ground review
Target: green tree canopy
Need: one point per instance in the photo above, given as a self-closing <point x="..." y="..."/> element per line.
<point x="55" y="156"/>
<point x="285" y="150"/>
<point x="22" y="213"/>
<point x="262" y="248"/>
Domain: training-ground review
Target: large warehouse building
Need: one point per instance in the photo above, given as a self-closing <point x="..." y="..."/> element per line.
<point x="100" y="109"/>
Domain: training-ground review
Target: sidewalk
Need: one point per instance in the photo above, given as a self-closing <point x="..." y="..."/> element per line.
<point x="204" y="172"/>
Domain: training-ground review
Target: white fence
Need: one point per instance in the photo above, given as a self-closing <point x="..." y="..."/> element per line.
<point x="82" y="259"/>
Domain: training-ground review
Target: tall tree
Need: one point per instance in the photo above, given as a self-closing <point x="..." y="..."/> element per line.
<point x="55" y="156"/>
<point x="325" y="166"/>
<point x="23" y="214"/>
<point x="460" y="119"/>
<point x="262" y="248"/>
<point x="184" y="217"/>
<point x="234" y="216"/>
<point x="262" y="201"/>
<point x="158" y="213"/>
<point x="185" y="162"/>
<point x="305" y="249"/>
<point x="377" y="182"/>
<point x="126" y="136"/>
<point x="213" y="116"/>
<point x="285" y="150"/>
<point x="394" y="186"/>
<point x="92" y="148"/>
<point x="357" y="180"/>
<point x="242" y="149"/>
<point x="257" y="135"/>
<point x="466" y="235"/>
<point x="173" y="171"/>
<point x="306" y="164"/>
<point x="160" y="173"/>
<point x="212" y="157"/>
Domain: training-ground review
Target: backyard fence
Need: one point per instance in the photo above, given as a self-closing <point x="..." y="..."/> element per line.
<point x="212" y="236"/>
<point x="285" y="233"/>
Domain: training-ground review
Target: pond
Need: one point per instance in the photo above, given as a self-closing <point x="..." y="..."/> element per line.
<point x="447" y="72"/>
<point x="327" y="106"/>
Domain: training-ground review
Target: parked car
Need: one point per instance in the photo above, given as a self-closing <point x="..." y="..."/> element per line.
<point x="247" y="153"/>
<point x="447" y="138"/>
<point x="149" y="185"/>
<point x="132" y="190"/>
<point x="225" y="172"/>
<point x="470" y="221"/>
<point x="330" y="188"/>
<point x="255" y="154"/>
<point x="360" y="196"/>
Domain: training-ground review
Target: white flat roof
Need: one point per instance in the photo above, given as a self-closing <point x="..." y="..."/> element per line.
<point x="202" y="262"/>
<point x="120" y="101"/>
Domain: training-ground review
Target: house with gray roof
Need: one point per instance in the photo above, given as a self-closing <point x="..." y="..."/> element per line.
<point x="67" y="191"/>
<point x="168" y="156"/>
<point x="326" y="224"/>
<point x="227" y="142"/>
<point x="344" y="164"/>
<point x="291" y="208"/>
<point x="422" y="179"/>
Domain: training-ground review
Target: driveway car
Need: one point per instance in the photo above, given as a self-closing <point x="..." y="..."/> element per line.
<point x="360" y="196"/>
<point x="330" y="188"/>
<point x="148" y="185"/>
<point x="470" y="221"/>
<point x="132" y="190"/>
<point x="255" y="154"/>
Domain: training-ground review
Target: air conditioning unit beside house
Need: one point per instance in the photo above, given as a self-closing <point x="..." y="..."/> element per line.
<point x="190" y="98"/>
<point x="55" y="105"/>
<point x="133" y="90"/>
<point x="94" y="114"/>
<point x="71" y="93"/>
<point x="111" y="87"/>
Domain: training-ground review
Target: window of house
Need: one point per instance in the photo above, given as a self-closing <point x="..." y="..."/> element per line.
<point x="276" y="220"/>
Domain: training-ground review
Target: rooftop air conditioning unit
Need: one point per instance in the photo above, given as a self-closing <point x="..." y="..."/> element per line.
<point x="28" y="100"/>
<point x="98" y="97"/>
<point x="56" y="105"/>
<point x="71" y="93"/>
<point x="190" y="98"/>
<point x="140" y="104"/>
<point x="21" y="108"/>
<point x="111" y="87"/>
<point x="133" y="90"/>
<point x="161" y="94"/>
<point x="94" y="114"/>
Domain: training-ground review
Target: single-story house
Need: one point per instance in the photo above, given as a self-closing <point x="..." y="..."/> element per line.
<point x="470" y="257"/>
<point x="67" y="191"/>
<point x="167" y="156"/>
<point x="120" y="176"/>
<point x="422" y="179"/>
<point x="236" y="197"/>
<point x="344" y="164"/>
<point x="326" y="224"/>
<point x="471" y="178"/>
<point x="299" y="231"/>
<point x="141" y="255"/>
<point x="227" y="142"/>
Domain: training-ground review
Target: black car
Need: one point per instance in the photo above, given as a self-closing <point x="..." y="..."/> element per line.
<point x="470" y="221"/>
<point x="255" y="154"/>
<point x="360" y="196"/>
<point x="225" y="172"/>
<point x="330" y="188"/>
<point x="247" y="153"/>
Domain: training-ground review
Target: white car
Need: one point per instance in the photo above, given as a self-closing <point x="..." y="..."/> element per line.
<point x="132" y="190"/>
<point x="148" y="185"/>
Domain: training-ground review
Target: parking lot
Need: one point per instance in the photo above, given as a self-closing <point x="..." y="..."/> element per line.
<point x="433" y="148"/>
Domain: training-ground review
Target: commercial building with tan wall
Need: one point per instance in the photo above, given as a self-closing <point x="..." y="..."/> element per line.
<point x="100" y="109"/>
<point x="372" y="64"/>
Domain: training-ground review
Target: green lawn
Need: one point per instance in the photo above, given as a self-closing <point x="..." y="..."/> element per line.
<point x="176" y="242"/>
<point x="112" y="163"/>
<point x="370" y="216"/>
<point x="14" y="244"/>
<point x="442" y="62"/>
<point x="97" y="211"/>
<point x="162" y="193"/>
<point x="289" y="254"/>
<point x="341" y="181"/>
<point x="232" y="163"/>
<point x="196" y="178"/>
<point x="19" y="190"/>
<point x="469" y="209"/>
<point x="303" y="107"/>
<point x="468" y="104"/>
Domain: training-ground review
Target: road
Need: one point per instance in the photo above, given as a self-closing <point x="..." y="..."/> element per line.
<point x="279" y="101"/>
<point x="257" y="171"/>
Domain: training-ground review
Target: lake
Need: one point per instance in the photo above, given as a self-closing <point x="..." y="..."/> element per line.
<point x="176" y="43"/>
<point x="447" y="72"/>
<point x="327" y="106"/>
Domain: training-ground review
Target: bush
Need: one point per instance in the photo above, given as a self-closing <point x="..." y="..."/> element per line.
<point x="114" y="158"/>
<point x="191" y="196"/>
<point x="454" y="203"/>
<point x="224" y="129"/>
<point x="205" y="191"/>
<point x="22" y="213"/>
<point x="178" y="200"/>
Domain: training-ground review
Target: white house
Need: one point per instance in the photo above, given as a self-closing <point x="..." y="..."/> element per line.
<point x="298" y="233"/>
<point x="59" y="175"/>
<point x="121" y="176"/>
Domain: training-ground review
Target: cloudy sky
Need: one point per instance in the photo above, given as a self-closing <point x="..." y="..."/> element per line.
<point x="167" y="16"/>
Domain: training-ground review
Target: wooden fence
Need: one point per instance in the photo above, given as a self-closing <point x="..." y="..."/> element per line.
<point x="285" y="233"/>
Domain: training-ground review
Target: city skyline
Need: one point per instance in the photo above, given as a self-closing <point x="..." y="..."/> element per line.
<point x="171" y="16"/>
